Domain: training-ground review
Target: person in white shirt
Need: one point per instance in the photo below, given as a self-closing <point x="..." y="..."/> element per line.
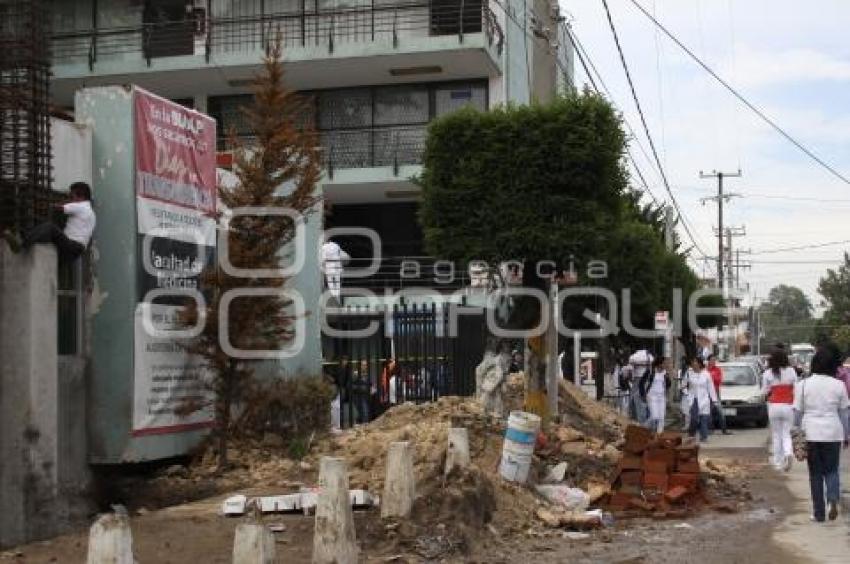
<point x="702" y="393"/>
<point x="333" y="258"/>
<point x="74" y="239"/>
<point x="821" y="407"/>
<point x="778" y="383"/>
<point x="641" y="363"/>
<point x="654" y="388"/>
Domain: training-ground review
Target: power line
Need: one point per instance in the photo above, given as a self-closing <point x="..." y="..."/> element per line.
<point x="643" y="122"/>
<point x="795" y="261"/>
<point x="800" y="247"/>
<point x="740" y="97"/>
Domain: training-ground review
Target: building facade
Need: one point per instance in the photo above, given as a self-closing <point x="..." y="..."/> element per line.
<point x="378" y="71"/>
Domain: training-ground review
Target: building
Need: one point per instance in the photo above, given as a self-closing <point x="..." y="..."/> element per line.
<point x="377" y="70"/>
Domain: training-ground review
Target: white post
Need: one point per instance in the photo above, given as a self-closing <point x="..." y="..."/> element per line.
<point x="458" y="450"/>
<point x="577" y="358"/>
<point x="400" y="485"/>
<point x="552" y="367"/>
<point x="334" y="539"/>
<point x="110" y="540"/>
<point x="253" y="544"/>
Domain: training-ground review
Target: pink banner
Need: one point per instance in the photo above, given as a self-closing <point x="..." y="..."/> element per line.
<point x="175" y="153"/>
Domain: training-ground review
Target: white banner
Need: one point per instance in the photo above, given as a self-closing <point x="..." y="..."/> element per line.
<point x="168" y="381"/>
<point x="174" y="222"/>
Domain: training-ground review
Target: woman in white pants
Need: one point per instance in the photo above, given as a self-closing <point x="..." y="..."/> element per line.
<point x="778" y="386"/>
<point x="654" y="388"/>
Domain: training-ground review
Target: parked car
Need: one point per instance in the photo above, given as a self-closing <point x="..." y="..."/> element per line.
<point x="741" y="397"/>
<point x="756" y="361"/>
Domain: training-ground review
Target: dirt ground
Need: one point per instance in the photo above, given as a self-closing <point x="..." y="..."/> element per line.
<point x="471" y="516"/>
<point x="195" y="533"/>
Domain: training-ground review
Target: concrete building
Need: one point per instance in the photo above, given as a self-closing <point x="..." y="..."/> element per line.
<point x="377" y="70"/>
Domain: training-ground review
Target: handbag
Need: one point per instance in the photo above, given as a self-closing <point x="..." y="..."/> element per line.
<point x="798" y="435"/>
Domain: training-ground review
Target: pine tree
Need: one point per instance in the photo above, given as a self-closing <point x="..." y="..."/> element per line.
<point x="278" y="166"/>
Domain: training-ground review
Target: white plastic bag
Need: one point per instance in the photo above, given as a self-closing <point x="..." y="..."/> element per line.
<point x="571" y="499"/>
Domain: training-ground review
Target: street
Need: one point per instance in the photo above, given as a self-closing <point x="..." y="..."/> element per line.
<point x="796" y="534"/>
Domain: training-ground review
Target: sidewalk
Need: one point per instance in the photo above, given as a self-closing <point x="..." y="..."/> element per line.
<point x="818" y="542"/>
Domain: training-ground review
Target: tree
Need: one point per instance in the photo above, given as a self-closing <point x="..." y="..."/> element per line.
<point x="544" y="183"/>
<point x="786" y="316"/>
<point x="835" y="289"/>
<point x="279" y="169"/>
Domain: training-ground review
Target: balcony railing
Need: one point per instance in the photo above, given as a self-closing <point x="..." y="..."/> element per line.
<point x="211" y="34"/>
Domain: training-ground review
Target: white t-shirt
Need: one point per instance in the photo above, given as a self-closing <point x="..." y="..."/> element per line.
<point x="81" y="221"/>
<point x="333" y="257"/>
<point x="819" y="398"/>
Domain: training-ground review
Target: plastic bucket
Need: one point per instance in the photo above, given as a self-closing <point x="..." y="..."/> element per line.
<point x="519" y="446"/>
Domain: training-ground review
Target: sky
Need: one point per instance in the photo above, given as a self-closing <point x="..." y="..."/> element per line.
<point x="791" y="60"/>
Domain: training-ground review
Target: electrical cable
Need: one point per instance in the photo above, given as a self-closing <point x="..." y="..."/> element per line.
<point x="798" y="248"/>
<point x="643" y="122"/>
<point x="741" y="98"/>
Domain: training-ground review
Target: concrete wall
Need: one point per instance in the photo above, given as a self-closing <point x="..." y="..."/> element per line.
<point x="37" y="446"/>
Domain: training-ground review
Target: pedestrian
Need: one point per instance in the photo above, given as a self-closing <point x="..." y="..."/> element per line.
<point x="333" y="259"/>
<point x="362" y="390"/>
<point x="717" y="379"/>
<point x="701" y="390"/>
<point x="821" y="409"/>
<point x="641" y="363"/>
<point x="778" y="383"/>
<point x="655" y="384"/>
<point x="624" y="382"/>
<point x="685" y="399"/>
<point x="79" y="226"/>
<point x="388" y="373"/>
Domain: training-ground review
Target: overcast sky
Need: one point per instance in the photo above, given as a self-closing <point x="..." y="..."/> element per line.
<point x="790" y="59"/>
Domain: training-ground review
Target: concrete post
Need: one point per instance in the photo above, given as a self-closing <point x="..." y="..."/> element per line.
<point x="28" y="394"/>
<point x="110" y="540"/>
<point x="334" y="539"/>
<point x="458" y="450"/>
<point x="400" y="485"/>
<point x="253" y="544"/>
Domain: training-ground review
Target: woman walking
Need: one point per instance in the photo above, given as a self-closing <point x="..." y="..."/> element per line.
<point x="701" y="389"/>
<point x="654" y="386"/>
<point x="778" y="383"/>
<point x="821" y="406"/>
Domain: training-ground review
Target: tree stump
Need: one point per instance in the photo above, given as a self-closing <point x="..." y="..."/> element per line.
<point x="400" y="485"/>
<point x="110" y="540"/>
<point x="253" y="543"/>
<point x="334" y="540"/>
<point x="458" y="449"/>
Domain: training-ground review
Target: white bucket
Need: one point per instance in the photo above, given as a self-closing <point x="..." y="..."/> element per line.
<point x="519" y="446"/>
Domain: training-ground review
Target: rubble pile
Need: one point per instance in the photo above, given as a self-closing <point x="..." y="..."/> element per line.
<point x="657" y="474"/>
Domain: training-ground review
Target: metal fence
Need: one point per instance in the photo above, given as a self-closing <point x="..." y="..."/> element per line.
<point x="212" y="31"/>
<point x="415" y="353"/>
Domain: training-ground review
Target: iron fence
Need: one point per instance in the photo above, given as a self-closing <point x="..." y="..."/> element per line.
<point x="414" y="353"/>
<point x="210" y="33"/>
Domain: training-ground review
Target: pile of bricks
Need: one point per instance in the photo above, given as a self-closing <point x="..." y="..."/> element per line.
<point x="656" y="473"/>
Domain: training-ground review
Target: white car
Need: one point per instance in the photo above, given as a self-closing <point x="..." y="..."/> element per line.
<point x="740" y="395"/>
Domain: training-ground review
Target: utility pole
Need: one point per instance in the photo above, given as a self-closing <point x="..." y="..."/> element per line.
<point x="720" y="198"/>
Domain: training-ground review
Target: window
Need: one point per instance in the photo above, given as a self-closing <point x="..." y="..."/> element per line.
<point x="69" y="307"/>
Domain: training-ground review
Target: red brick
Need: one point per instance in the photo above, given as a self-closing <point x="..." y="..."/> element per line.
<point x="656" y="466"/>
<point x="665" y="456"/>
<point x="637" y="439"/>
<point x="688" y="466"/>
<point x="670" y="439"/>
<point x="687" y="452"/>
<point x="620" y="500"/>
<point x="655" y="480"/>
<point x="688" y="481"/>
<point x="641" y="504"/>
<point x="676" y="494"/>
<point x="630" y="462"/>
<point x="631" y="477"/>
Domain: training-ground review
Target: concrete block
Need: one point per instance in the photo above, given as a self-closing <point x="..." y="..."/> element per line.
<point x="253" y="543"/>
<point x="400" y="484"/>
<point x="110" y="540"/>
<point x="688" y="466"/>
<point x="334" y="539"/>
<point x="457" y="455"/>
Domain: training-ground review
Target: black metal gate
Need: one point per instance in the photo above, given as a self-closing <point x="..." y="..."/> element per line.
<point x="383" y="357"/>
